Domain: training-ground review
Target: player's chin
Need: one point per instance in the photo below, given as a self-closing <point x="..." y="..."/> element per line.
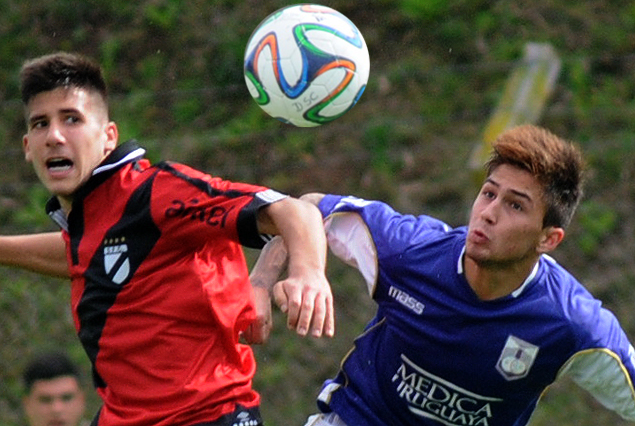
<point x="477" y="253"/>
<point x="61" y="190"/>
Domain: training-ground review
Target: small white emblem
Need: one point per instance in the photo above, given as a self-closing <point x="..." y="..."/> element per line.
<point x="516" y="358"/>
<point x="244" y="419"/>
<point x="116" y="259"/>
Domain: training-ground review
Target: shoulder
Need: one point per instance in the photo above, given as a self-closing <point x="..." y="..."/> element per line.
<point x="172" y="173"/>
<point x="564" y="290"/>
<point x="379" y="214"/>
<point x="391" y="231"/>
<point x="589" y="320"/>
<point x="179" y="170"/>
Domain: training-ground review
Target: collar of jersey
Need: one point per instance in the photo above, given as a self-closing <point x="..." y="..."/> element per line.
<point x="515" y="293"/>
<point x="125" y="153"/>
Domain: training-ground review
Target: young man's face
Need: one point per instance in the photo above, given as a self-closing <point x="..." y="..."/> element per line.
<point x="55" y="402"/>
<point x="68" y="136"/>
<point x="506" y="222"/>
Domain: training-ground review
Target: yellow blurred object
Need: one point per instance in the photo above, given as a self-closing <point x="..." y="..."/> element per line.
<point x="526" y="92"/>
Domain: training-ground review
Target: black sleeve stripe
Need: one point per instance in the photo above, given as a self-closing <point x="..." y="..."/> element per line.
<point x="201" y="184"/>
<point x="247" y="225"/>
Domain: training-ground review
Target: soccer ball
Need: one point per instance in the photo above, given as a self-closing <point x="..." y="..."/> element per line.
<point x="306" y="65"/>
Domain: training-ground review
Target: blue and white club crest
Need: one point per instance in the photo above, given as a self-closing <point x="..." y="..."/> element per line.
<point x="516" y="358"/>
<point x="116" y="259"/>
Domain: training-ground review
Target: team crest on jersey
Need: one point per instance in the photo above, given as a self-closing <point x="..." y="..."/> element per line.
<point x="245" y="419"/>
<point x="116" y="259"/>
<point x="516" y="358"/>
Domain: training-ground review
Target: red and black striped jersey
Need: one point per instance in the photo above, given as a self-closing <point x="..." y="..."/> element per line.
<point x="160" y="288"/>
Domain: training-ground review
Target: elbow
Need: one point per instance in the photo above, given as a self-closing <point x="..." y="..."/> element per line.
<point x="312" y="198"/>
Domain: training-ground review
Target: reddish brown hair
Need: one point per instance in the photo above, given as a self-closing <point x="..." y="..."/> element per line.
<point x="556" y="163"/>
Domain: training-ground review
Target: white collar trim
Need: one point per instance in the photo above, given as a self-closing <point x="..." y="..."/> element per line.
<point x="515" y="293"/>
<point x="139" y="152"/>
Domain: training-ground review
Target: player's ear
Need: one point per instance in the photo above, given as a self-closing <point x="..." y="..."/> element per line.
<point x="26" y="148"/>
<point x="551" y="237"/>
<point x="112" y="137"/>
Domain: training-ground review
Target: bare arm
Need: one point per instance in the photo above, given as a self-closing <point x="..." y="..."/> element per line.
<point x="264" y="274"/>
<point x="44" y="253"/>
<point x="305" y="294"/>
<point x="274" y="256"/>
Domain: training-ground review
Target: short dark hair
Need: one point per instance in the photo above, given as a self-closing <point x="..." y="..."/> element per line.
<point x="557" y="164"/>
<point x="60" y="69"/>
<point x="49" y="366"/>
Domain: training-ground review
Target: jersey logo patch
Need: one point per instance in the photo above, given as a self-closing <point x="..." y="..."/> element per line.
<point x="406" y="300"/>
<point x="244" y="419"/>
<point x="116" y="259"/>
<point x="516" y="358"/>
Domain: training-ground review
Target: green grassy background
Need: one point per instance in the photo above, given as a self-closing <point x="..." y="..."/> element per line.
<point x="438" y="71"/>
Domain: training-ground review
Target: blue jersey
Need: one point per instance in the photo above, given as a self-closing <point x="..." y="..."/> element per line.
<point x="435" y="354"/>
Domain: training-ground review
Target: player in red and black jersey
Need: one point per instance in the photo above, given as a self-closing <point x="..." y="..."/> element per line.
<point x="160" y="288"/>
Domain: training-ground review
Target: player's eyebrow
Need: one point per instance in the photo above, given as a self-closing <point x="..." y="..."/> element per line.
<point x="36" y="118"/>
<point x="513" y="191"/>
<point x="62" y="111"/>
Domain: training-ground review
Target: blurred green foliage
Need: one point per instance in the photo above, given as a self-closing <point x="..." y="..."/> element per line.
<point x="437" y="71"/>
<point x="598" y="222"/>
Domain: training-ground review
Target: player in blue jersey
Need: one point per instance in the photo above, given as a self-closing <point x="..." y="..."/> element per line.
<point x="473" y="323"/>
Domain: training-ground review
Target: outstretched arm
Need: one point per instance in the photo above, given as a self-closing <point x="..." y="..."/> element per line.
<point x="44" y="253"/>
<point x="305" y="295"/>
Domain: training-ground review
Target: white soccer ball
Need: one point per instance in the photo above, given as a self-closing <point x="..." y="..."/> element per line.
<point x="306" y="65"/>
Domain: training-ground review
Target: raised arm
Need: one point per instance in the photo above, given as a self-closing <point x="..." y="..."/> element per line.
<point x="44" y="253"/>
<point x="305" y="295"/>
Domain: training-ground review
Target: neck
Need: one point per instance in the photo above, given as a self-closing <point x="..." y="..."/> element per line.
<point x="492" y="281"/>
<point x="65" y="204"/>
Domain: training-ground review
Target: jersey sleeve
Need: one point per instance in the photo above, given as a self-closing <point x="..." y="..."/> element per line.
<point x="361" y="232"/>
<point x="604" y="365"/>
<point x="195" y="207"/>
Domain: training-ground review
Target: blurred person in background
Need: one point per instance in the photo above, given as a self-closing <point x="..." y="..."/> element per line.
<point x="474" y="322"/>
<point x="54" y="393"/>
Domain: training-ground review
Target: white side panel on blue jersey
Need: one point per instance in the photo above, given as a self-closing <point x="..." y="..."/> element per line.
<point x="602" y="373"/>
<point x="349" y="239"/>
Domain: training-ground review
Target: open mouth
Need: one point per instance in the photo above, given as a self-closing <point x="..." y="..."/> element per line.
<point x="59" y="164"/>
